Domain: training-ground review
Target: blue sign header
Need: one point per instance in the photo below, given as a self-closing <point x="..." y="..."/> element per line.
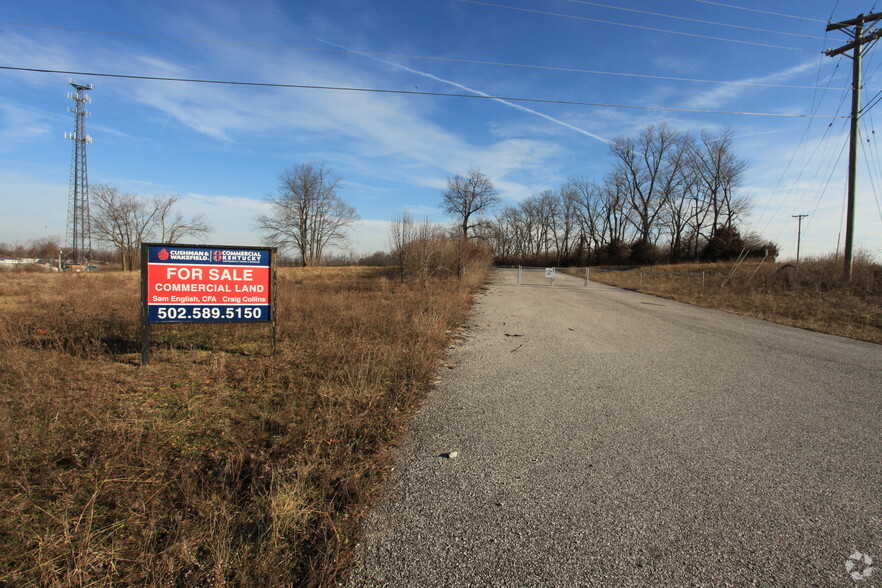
<point x="207" y="256"/>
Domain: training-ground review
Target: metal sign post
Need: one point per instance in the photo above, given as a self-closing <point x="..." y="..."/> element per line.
<point x="145" y="324"/>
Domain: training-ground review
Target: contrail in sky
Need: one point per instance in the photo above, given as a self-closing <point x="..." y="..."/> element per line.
<point x="473" y="91"/>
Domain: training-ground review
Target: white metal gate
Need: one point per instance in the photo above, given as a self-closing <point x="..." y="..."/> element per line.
<point x="569" y="277"/>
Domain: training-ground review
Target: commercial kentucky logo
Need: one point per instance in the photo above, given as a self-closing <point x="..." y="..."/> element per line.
<point x="217" y="255"/>
<point x="163" y="255"/>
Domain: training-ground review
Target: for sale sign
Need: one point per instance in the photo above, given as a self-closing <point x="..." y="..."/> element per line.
<point x="190" y="283"/>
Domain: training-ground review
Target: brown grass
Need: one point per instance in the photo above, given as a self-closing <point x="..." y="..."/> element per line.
<point x="813" y="296"/>
<point x="216" y="464"/>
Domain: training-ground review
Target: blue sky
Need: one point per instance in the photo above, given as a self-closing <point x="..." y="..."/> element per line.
<point x="222" y="147"/>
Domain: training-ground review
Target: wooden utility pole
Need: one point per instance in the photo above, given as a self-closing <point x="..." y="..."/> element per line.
<point x="799" y="218"/>
<point x="857" y="46"/>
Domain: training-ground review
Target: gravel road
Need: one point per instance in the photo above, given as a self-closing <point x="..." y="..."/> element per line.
<point x="609" y="438"/>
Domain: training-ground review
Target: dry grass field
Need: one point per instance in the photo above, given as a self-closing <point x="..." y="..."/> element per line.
<point x="812" y="296"/>
<point x="217" y="463"/>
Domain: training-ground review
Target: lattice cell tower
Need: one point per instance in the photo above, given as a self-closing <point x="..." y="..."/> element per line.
<point x="79" y="223"/>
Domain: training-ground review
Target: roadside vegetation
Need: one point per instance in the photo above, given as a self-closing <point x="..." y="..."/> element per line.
<point x="217" y="464"/>
<point x="811" y="296"/>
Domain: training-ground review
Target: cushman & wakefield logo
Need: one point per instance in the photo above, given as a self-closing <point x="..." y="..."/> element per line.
<point x="171" y="254"/>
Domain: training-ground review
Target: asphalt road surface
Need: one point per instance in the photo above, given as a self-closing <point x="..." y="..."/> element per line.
<point x="609" y="438"/>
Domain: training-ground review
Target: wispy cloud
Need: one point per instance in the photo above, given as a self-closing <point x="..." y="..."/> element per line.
<point x="681" y="65"/>
<point x="20" y="125"/>
<point x="476" y="92"/>
<point x="361" y="127"/>
<point x="26" y="51"/>
<point x="725" y="93"/>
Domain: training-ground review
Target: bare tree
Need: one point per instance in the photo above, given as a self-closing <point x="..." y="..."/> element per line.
<point x="172" y="226"/>
<point x="306" y="212"/>
<point x="678" y="213"/>
<point x="507" y="234"/>
<point x="45" y="247"/>
<point x="125" y="220"/>
<point x="402" y="232"/>
<point x="588" y="213"/>
<point x="419" y="248"/>
<point x="467" y="196"/>
<point x="652" y="167"/>
<point x="504" y="234"/>
<point x="568" y="223"/>
<point x="720" y="173"/>
<point x="122" y="220"/>
<point x="545" y="208"/>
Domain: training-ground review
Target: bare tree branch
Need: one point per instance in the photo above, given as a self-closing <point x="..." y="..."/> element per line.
<point x="306" y="213"/>
<point x="125" y="220"/>
<point x="466" y="196"/>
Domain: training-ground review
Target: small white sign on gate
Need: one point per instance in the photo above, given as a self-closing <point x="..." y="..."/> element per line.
<point x="549" y="272"/>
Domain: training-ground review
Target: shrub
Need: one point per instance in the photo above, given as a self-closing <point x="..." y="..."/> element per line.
<point x="725" y="244"/>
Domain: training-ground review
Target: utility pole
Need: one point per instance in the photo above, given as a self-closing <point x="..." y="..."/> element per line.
<point x="798" y="217"/>
<point x="859" y="40"/>
<point x="79" y="222"/>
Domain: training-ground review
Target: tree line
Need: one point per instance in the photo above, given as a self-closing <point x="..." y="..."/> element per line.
<point x="122" y="221"/>
<point x="670" y="196"/>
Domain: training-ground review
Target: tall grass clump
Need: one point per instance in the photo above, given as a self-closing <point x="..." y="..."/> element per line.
<point x="217" y="464"/>
<point x="812" y="295"/>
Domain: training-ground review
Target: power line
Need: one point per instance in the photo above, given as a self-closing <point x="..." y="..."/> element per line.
<point x="872" y="102"/>
<point x="698" y="20"/>
<point x="825" y="157"/>
<point x="406" y="92"/>
<point x="761" y="11"/>
<point x="870" y="171"/>
<point x="827" y="185"/>
<point x="874" y="153"/>
<point x="818" y="81"/>
<point x="866" y="79"/>
<point x="605" y="73"/>
<point x="832" y="12"/>
<point x="633" y="26"/>
<point x="802" y="141"/>
<point x="841" y="219"/>
<point x="407" y="56"/>
<point x="818" y="171"/>
<point x="829" y="149"/>
<point x="795" y="183"/>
